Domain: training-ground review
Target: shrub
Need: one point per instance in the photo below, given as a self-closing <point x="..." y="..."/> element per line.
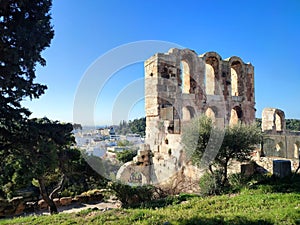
<point x="237" y="181"/>
<point x="126" y="155"/>
<point x="130" y="195"/>
<point x="211" y="184"/>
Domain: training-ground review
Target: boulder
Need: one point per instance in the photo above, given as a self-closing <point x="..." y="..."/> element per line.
<point x="65" y="201"/>
<point x="20" y="208"/>
<point x="42" y="204"/>
<point x="82" y="198"/>
<point x="57" y="202"/>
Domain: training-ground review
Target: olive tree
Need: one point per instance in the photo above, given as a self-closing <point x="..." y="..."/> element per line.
<point x="238" y="141"/>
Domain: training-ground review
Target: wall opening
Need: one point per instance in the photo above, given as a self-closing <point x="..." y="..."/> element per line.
<point x="211" y="114"/>
<point x="209" y="79"/>
<point x="185" y="77"/>
<point x="297" y="150"/>
<point x="236" y="115"/>
<point x="234" y="83"/>
<point x="278" y="122"/>
<point x="279" y="146"/>
<point x="188" y="113"/>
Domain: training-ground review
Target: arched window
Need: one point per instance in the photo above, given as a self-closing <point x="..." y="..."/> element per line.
<point x="278" y="122"/>
<point x="211" y="114"/>
<point x="236" y="71"/>
<point x="209" y="79"/>
<point x="279" y="146"/>
<point x="234" y="83"/>
<point x="185" y="77"/>
<point x="188" y="113"/>
<point x="296" y="150"/>
<point x="235" y="116"/>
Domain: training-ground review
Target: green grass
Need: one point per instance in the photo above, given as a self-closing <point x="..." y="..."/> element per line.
<point x="249" y="207"/>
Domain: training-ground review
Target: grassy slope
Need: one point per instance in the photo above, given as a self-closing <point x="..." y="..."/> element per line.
<point x="249" y="207"/>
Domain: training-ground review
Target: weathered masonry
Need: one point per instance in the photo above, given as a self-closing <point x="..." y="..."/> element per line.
<point x="278" y="143"/>
<point x="180" y="85"/>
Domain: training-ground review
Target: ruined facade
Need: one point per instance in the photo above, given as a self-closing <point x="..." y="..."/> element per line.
<point x="277" y="141"/>
<point x="180" y="85"/>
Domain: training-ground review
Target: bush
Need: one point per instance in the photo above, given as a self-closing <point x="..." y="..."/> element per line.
<point x="126" y="155"/>
<point x="237" y="181"/>
<point x="130" y="195"/>
<point x="211" y="184"/>
<point x="66" y="193"/>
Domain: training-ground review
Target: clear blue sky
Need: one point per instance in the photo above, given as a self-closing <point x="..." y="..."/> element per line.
<point x="265" y="33"/>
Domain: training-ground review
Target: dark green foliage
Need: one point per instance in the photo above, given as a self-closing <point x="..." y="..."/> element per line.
<point x="126" y="155"/>
<point x="131" y="195"/>
<point x="137" y="126"/>
<point x="235" y="142"/>
<point x="25" y="32"/>
<point x="77" y="126"/>
<point x="211" y="184"/>
<point x="258" y="122"/>
<point x="293" y="124"/>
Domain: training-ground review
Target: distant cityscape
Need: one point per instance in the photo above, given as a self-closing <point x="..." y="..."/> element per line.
<point x="102" y="142"/>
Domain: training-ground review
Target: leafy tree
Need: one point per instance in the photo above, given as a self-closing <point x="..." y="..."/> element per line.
<point x="44" y="151"/>
<point x="47" y="147"/>
<point x="293" y="124"/>
<point x="25" y="32"/>
<point x="238" y="143"/>
<point x="77" y="126"/>
<point x="137" y="126"/>
<point x="126" y="155"/>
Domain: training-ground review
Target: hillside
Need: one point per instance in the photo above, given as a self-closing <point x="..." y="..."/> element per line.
<point x="249" y="207"/>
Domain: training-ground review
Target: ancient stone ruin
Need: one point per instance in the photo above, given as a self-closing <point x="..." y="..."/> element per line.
<point x="180" y="85"/>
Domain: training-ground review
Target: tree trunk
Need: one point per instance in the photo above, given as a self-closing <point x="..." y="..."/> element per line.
<point x="211" y="169"/>
<point x="59" y="186"/>
<point x="48" y="200"/>
<point x="225" y="176"/>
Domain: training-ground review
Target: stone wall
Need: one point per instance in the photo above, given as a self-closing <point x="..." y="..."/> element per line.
<point x="180" y="85"/>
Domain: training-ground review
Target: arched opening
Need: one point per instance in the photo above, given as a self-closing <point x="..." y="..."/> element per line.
<point x="279" y="146"/>
<point x="211" y="114"/>
<point x="296" y="150"/>
<point x="137" y="178"/>
<point x="185" y="77"/>
<point x="236" y="71"/>
<point x="234" y="83"/>
<point x="278" y="122"/>
<point x="235" y="116"/>
<point x="188" y="113"/>
<point x="209" y="79"/>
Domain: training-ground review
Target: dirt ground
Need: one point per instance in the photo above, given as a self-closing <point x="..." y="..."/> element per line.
<point x="77" y="207"/>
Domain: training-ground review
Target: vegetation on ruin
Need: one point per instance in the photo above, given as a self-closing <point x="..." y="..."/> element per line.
<point x="207" y="145"/>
